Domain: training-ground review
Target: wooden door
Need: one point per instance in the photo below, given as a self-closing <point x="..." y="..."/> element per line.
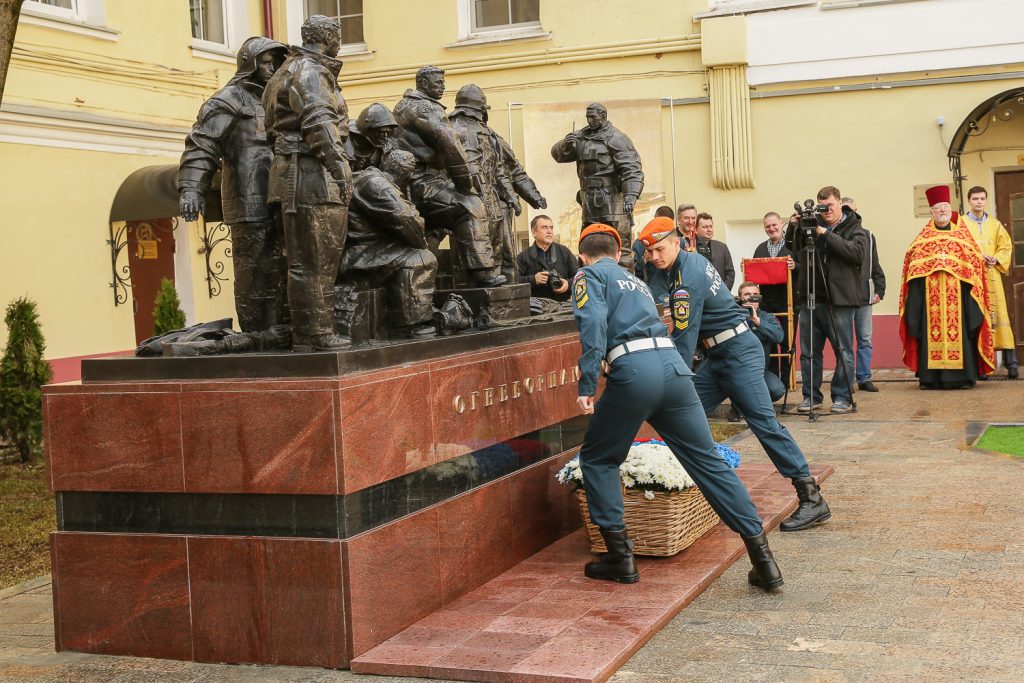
<point x="1010" y="210"/>
<point x="150" y="259"/>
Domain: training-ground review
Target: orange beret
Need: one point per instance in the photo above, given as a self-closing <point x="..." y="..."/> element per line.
<point x="594" y="228"/>
<point x="657" y="230"/>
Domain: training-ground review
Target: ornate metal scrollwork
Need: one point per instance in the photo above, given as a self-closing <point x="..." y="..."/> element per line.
<point x="213" y="235"/>
<point x="121" y="280"/>
<point x="1002" y="109"/>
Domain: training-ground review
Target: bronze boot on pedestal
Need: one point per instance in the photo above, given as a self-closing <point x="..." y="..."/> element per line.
<point x="812" y="509"/>
<point x="765" y="573"/>
<point x="618" y="564"/>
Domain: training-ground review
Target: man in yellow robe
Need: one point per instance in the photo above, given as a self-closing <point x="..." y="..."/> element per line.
<point x="997" y="250"/>
<point x="944" y="323"/>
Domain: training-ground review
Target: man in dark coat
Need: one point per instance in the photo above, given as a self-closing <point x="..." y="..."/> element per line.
<point x="536" y="264"/>
<point x="229" y="135"/>
<point x="713" y="250"/>
<point x="387" y="245"/>
<point x="310" y="178"/>
<point x="443" y="186"/>
<point x="610" y="173"/>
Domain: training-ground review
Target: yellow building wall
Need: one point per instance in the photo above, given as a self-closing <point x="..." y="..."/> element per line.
<point x="57" y="201"/>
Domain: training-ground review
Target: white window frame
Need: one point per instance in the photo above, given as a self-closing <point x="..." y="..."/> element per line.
<point x="295" y="14"/>
<point x="470" y="37"/>
<point x="236" y="30"/>
<point x="87" y="17"/>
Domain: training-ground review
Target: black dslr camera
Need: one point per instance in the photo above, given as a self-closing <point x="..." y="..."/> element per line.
<point x="805" y="229"/>
<point x="554" y="279"/>
<point x="752" y="299"/>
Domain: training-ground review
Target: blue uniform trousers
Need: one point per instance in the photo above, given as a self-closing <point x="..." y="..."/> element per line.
<point x="734" y="369"/>
<point x="656" y="386"/>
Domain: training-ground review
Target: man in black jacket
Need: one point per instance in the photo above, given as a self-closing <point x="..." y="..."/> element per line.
<point x="872" y="286"/>
<point x="841" y="245"/>
<point x="536" y="264"/>
<point x="713" y="250"/>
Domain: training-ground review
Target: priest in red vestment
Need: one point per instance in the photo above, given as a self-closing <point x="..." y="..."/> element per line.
<point x="947" y="338"/>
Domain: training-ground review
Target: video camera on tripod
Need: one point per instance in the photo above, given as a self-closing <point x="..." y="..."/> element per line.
<point x="805" y="229"/>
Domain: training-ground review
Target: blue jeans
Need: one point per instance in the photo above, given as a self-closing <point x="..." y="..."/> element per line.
<point x="840" y="337"/>
<point x="862" y="326"/>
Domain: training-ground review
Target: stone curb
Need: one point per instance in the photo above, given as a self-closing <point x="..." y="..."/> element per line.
<point x="25" y="586"/>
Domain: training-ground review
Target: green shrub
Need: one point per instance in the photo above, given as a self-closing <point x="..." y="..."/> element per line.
<point x="167" y="313"/>
<point x="23" y="371"/>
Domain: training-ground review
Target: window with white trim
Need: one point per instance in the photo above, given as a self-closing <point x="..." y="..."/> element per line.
<point x="348" y="12"/>
<point x="66" y="9"/>
<point x="502" y="15"/>
<point x="209" y="21"/>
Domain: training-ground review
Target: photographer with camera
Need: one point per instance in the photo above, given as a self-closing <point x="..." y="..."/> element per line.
<point x="831" y="246"/>
<point x="767" y="329"/>
<point x="547" y="266"/>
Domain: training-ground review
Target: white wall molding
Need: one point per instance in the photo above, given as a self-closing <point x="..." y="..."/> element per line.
<point x="22" y="125"/>
<point x="809" y="43"/>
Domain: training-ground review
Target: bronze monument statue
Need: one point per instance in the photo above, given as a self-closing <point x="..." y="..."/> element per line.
<point x="611" y="177"/>
<point x="369" y="137"/>
<point x="387" y="246"/>
<point x="519" y="183"/>
<point x="443" y="186"/>
<point x="468" y="118"/>
<point x="310" y="178"/>
<point x="229" y="135"/>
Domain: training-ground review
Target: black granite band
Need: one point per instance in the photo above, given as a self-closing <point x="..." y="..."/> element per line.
<point x="311" y="516"/>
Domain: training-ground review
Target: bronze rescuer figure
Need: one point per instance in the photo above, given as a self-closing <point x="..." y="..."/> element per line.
<point x="387" y="246"/>
<point x="443" y="186"/>
<point x="310" y="178"/>
<point x="369" y="137"/>
<point x="468" y="118"/>
<point x="229" y="134"/>
<point x="611" y="177"/>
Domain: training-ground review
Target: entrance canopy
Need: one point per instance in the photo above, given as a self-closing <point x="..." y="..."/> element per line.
<point x="152" y="192"/>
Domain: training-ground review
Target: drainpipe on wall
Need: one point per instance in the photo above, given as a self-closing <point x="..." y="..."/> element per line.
<point x="268" y="19"/>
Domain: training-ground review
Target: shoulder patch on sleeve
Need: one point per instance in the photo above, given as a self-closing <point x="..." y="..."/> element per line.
<point x="681" y="309"/>
<point x="579" y="289"/>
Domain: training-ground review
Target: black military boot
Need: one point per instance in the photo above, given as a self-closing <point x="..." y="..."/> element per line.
<point x="618" y="564"/>
<point x="812" y="509"/>
<point x="487" y="278"/>
<point x="765" y="573"/>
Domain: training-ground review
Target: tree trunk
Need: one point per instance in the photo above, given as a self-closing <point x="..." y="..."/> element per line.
<point x="9" y="10"/>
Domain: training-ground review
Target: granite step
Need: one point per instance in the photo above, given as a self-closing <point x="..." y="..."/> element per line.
<point x="542" y="621"/>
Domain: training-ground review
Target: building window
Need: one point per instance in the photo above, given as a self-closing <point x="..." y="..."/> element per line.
<point x="67" y="9"/>
<point x="208" y="21"/>
<point x="490" y="15"/>
<point x="350" y="12"/>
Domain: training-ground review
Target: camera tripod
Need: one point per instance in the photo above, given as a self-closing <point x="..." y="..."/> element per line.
<point x="812" y="259"/>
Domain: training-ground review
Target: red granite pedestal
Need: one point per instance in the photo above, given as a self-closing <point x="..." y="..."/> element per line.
<point x="302" y="521"/>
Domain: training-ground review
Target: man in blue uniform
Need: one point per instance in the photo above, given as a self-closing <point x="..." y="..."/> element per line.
<point x="620" y="330"/>
<point x="702" y="309"/>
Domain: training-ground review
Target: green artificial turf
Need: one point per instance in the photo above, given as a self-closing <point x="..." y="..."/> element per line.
<point x="1009" y="440"/>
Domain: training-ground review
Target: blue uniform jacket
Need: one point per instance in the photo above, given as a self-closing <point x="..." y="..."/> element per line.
<point x="769" y="332"/>
<point x="611" y="307"/>
<point x="701" y="304"/>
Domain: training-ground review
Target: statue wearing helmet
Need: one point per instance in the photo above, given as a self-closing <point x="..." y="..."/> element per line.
<point x="468" y="119"/>
<point x="369" y="137"/>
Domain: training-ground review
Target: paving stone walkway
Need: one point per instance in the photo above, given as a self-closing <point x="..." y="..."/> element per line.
<point x="919" y="576"/>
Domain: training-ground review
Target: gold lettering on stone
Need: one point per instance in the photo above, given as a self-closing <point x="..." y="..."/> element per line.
<point x="502" y="393"/>
<point x="575" y="373"/>
<point x="472" y="399"/>
<point x="540" y="382"/>
<point x="515" y="389"/>
<point x="489" y="396"/>
<point x="528" y="385"/>
<point x="562" y="379"/>
<point x="552" y="379"/>
<point x="459" y="404"/>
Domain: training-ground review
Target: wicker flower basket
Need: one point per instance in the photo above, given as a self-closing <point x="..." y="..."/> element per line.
<point x="659" y="527"/>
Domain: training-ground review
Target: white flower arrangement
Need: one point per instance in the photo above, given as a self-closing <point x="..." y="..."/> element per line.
<point x="650" y="466"/>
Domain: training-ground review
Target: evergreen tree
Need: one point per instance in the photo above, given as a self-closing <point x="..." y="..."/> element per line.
<point x="167" y="313"/>
<point x="23" y="372"/>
